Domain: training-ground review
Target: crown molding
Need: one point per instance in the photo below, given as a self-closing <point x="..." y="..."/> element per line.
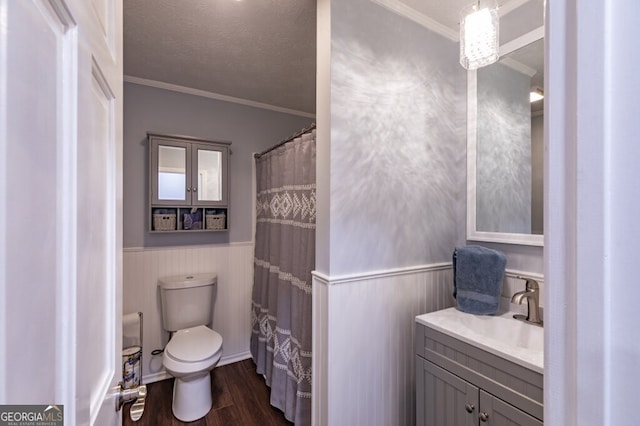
<point x="510" y="6"/>
<point x="211" y="95"/>
<point x="402" y="9"/>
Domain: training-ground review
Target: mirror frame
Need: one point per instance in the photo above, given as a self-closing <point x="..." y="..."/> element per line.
<point x="472" y="111"/>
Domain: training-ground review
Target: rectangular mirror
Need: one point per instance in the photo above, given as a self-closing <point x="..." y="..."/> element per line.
<point x="209" y="175"/>
<point x="505" y="145"/>
<point x="172" y="172"/>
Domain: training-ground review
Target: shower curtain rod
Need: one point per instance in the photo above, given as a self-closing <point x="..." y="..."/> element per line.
<point x="289" y="139"/>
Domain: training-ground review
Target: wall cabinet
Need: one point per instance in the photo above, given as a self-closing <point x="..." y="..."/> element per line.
<point x="458" y="384"/>
<point x="188" y="184"/>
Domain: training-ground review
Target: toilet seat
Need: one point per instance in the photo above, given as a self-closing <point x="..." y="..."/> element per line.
<point x="195" y="344"/>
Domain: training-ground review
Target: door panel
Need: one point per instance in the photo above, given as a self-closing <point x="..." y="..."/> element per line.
<point x="96" y="243"/>
<point x="60" y="205"/>
<point x="99" y="210"/>
<point x="33" y="140"/>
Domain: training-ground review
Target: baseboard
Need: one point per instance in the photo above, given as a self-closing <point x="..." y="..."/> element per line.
<point x="234" y="358"/>
<point x="155" y="377"/>
<point x="163" y="375"/>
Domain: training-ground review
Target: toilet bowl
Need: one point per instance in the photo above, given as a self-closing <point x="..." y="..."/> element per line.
<point x="189" y="356"/>
<point x="193" y="349"/>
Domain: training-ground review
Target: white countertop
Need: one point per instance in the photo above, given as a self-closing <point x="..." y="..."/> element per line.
<point x="499" y="334"/>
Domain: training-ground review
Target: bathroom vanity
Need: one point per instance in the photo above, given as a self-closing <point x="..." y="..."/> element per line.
<point x="478" y="370"/>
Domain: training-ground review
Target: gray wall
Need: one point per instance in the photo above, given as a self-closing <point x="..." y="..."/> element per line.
<point x="397" y="143"/>
<point x="249" y="129"/>
<point x="521" y="20"/>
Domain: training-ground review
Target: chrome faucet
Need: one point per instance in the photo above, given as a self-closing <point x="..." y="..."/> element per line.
<point x="532" y="294"/>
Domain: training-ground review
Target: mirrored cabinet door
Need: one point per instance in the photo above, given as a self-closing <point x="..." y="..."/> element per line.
<point x="170" y="181"/>
<point x="208" y="184"/>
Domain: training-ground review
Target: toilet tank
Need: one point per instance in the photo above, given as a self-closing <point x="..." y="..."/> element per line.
<point x="187" y="300"/>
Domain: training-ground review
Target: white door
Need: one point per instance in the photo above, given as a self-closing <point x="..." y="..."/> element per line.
<point x="61" y="205"/>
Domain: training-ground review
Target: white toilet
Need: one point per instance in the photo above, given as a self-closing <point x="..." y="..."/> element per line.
<point x="193" y="349"/>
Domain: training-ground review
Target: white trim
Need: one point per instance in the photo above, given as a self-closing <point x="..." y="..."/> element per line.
<point x="510" y="6"/>
<point x="66" y="308"/>
<point x="472" y="124"/>
<point x="211" y="95"/>
<point x="200" y="246"/>
<point x="4" y="6"/>
<point x="230" y="359"/>
<point x="103" y="83"/>
<point x="225" y="360"/>
<point x="342" y="279"/>
<point x="369" y="275"/>
<point x="64" y="13"/>
<point x="506" y="238"/>
<point x="156" y="377"/>
<point x="523" y="40"/>
<point x="519" y="67"/>
<point x="453" y="34"/>
<point x="410" y="13"/>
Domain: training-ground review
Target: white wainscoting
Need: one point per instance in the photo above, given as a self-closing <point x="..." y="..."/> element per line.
<point x="365" y="325"/>
<point x="142" y="267"/>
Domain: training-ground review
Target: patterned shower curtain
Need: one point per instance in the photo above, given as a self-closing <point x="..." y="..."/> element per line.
<point x="284" y="259"/>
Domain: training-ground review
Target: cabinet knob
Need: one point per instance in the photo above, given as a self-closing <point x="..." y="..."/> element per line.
<point x="188" y="189"/>
<point x="195" y="189"/>
<point x="484" y="416"/>
<point x="469" y="408"/>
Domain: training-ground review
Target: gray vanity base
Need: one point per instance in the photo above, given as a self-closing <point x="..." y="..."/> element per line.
<point x="451" y="374"/>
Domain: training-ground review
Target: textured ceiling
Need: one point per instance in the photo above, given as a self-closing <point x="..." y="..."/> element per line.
<point x="257" y="50"/>
<point x="262" y="51"/>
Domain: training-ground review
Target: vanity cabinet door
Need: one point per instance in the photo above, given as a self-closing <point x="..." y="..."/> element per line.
<point x="443" y="399"/>
<point x="496" y="412"/>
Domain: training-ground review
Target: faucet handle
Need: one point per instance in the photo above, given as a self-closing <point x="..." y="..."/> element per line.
<point x="532" y="284"/>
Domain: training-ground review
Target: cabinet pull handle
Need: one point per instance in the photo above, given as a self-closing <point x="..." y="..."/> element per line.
<point x="484" y="416"/>
<point x="469" y="408"/>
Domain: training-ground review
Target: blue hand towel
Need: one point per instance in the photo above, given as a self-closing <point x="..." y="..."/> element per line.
<point x="477" y="279"/>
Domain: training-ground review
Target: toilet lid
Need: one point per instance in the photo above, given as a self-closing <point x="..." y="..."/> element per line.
<point x="194" y="344"/>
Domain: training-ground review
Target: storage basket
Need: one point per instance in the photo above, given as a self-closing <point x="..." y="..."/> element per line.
<point x="164" y="222"/>
<point x="215" y="221"/>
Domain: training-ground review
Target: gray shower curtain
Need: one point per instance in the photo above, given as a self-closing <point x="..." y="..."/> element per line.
<point x="284" y="259"/>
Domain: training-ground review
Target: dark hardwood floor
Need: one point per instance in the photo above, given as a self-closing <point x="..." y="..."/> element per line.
<point x="240" y="397"/>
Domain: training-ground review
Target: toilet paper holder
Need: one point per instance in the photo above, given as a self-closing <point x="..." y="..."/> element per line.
<point x="131" y="387"/>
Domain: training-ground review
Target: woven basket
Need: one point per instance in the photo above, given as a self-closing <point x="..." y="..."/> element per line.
<point x="215" y="221"/>
<point x="164" y="222"/>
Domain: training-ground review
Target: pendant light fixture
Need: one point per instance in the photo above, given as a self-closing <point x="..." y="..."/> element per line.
<point x="479" y="35"/>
